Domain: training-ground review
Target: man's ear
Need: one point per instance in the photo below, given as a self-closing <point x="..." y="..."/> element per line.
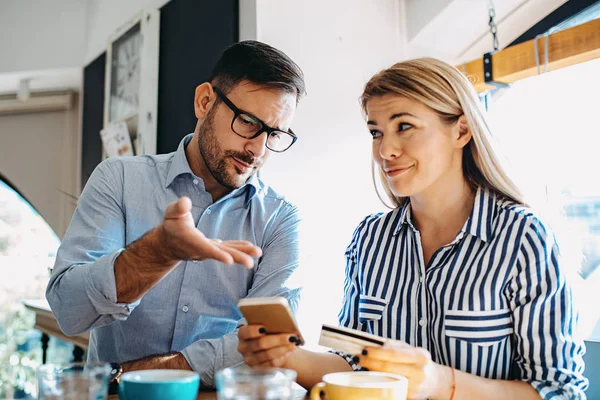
<point x="204" y="98"/>
<point x="462" y="134"/>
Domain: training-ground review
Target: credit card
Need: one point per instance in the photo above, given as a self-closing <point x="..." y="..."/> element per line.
<point x="347" y="340"/>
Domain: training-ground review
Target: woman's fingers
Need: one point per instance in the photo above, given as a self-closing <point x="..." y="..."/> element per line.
<point x="399" y="354"/>
<point x="276" y="363"/>
<point x="247" y="332"/>
<point x="415" y="374"/>
<point x="269" y="357"/>
<point x="258" y="347"/>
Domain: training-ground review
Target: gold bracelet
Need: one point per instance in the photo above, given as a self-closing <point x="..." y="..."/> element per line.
<point x="453" y="384"/>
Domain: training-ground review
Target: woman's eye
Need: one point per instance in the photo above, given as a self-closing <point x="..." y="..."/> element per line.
<point x="375" y="133"/>
<point x="404" y="126"/>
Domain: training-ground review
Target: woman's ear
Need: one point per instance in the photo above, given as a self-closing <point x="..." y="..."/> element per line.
<point x="462" y="132"/>
<point x="203" y="99"/>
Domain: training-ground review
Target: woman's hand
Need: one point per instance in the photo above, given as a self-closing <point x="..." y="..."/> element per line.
<point x="263" y="350"/>
<point x="426" y="379"/>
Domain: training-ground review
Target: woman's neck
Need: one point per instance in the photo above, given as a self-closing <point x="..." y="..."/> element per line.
<point x="444" y="208"/>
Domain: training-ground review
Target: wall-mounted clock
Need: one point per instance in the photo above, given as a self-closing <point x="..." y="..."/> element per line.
<point x="131" y="83"/>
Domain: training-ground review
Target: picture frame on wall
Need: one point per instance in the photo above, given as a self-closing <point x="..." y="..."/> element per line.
<point x="131" y="80"/>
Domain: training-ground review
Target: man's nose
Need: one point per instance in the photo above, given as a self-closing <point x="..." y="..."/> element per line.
<point x="257" y="146"/>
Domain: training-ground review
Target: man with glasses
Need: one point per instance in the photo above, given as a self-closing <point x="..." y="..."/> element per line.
<point x="144" y="263"/>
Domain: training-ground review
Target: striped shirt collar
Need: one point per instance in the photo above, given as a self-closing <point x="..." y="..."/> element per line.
<point x="180" y="166"/>
<point x="479" y="224"/>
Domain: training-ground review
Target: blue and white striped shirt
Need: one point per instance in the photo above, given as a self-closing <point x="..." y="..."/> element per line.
<point x="493" y="303"/>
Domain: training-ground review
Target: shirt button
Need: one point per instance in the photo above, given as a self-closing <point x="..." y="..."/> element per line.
<point x="421" y="279"/>
<point x="195" y="181"/>
<point x="185" y="309"/>
<point x="422" y="322"/>
<point x="208" y="211"/>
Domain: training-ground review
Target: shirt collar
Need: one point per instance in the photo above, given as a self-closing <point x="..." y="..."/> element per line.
<point x="403" y="217"/>
<point x="479" y="223"/>
<point x="180" y="166"/>
<point x="179" y="163"/>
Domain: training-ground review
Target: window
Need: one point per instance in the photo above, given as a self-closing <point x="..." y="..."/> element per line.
<point x="548" y="127"/>
<point x="27" y="250"/>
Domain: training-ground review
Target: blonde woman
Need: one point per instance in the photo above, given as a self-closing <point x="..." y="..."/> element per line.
<point x="461" y="274"/>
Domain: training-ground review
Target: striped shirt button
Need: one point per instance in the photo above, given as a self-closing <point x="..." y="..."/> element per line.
<point x="422" y="322"/>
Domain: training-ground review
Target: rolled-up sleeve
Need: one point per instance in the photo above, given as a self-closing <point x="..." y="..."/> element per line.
<point x="348" y="315"/>
<point x="82" y="290"/>
<point x="273" y="272"/>
<point x="549" y="357"/>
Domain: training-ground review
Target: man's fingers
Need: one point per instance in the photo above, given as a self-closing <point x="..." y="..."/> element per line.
<point x="179" y="208"/>
<point x="244" y="246"/>
<point x="237" y="255"/>
<point x="212" y="250"/>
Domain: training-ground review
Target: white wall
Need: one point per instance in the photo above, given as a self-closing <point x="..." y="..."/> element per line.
<point x="104" y="17"/>
<point x="40" y="35"/>
<point x="457" y="31"/>
<point x="339" y="44"/>
<point x="420" y="12"/>
<point x="50" y="42"/>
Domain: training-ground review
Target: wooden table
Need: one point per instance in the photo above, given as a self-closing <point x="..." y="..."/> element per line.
<point x="213" y="396"/>
<point x="46" y="322"/>
<point x="201" y="396"/>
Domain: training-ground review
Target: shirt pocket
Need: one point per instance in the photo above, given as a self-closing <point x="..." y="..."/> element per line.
<point x="482" y="328"/>
<point x="370" y="308"/>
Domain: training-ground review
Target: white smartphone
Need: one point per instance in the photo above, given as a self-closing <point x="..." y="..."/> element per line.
<point x="274" y="313"/>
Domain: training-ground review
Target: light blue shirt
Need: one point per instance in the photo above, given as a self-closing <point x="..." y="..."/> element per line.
<point x="193" y="309"/>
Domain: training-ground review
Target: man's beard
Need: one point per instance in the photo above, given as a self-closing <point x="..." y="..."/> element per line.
<point x="215" y="158"/>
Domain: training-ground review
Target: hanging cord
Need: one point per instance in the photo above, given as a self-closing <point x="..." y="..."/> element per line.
<point x="493" y="26"/>
<point x="535" y="49"/>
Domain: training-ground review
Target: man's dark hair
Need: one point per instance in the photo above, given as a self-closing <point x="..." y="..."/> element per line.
<point x="258" y="63"/>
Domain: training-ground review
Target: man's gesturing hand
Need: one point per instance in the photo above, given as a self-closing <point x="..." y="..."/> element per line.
<point x="182" y="241"/>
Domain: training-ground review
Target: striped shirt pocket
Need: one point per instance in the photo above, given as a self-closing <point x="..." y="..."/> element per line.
<point x="370" y="308"/>
<point x="483" y="328"/>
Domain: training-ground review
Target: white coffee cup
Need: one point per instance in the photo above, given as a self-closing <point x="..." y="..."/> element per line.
<point x="361" y="386"/>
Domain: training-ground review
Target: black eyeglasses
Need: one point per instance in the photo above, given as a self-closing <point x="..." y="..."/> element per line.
<point x="248" y="126"/>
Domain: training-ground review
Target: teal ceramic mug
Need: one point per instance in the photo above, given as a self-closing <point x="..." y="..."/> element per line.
<point x="158" y="384"/>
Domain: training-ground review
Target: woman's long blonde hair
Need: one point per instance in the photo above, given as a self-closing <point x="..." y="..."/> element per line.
<point x="449" y="93"/>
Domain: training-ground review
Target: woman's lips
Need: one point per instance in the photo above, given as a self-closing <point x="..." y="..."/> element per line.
<point x="395" y="171"/>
